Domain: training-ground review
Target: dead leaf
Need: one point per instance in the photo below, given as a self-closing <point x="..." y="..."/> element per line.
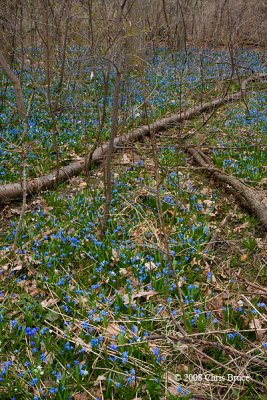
<point x="215" y="304"/>
<point x="239" y="228"/>
<point x="123" y="271"/>
<point x="17" y="268"/>
<point x="82" y="184"/>
<point x="126" y="299"/>
<point x="115" y="255"/>
<point x="33" y="291"/>
<point x="113" y="329"/>
<point x="80" y="396"/>
<point x="208" y="202"/>
<point x="147" y="294"/>
<point x="100" y="378"/>
<point x="126" y="159"/>
<point x="129" y="158"/>
<point x="138" y="295"/>
<point x="205" y="190"/>
<point x="5" y="267"/>
<point x="195" y="261"/>
<point x="240" y="303"/>
<point x="50" y="302"/>
<point x="243" y="257"/>
<point x="150" y="266"/>
<point x="256" y="324"/>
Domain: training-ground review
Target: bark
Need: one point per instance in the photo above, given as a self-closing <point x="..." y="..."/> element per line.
<point x="248" y="197"/>
<point x="16" y="84"/>
<point x="13" y="191"/>
<point x="108" y="169"/>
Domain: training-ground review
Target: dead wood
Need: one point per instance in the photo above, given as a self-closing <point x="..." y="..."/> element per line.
<point x="248" y="197"/>
<point x="13" y="191"/>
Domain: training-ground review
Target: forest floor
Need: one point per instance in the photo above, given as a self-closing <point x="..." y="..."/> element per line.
<point x="170" y="302"/>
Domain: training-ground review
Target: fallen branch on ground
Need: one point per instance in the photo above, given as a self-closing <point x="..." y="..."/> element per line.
<point x="248" y="197"/>
<point x="13" y="191"/>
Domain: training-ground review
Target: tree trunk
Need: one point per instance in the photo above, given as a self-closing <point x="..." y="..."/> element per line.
<point x="248" y="197"/>
<point x="17" y="87"/>
<point x="14" y="191"/>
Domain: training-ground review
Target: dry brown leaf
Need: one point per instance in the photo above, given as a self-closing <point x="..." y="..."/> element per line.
<point x="138" y="295"/>
<point x="205" y="190"/>
<point x="49" y="357"/>
<point x="50" y="302"/>
<point x="5" y="267"/>
<point x="100" y="378"/>
<point x="126" y="299"/>
<point x="256" y="324"/>
<point x="183" y="368"/>
<point x="113" y="329"/>
<point x="129" y="158"/>
<point x="115" y="255"/>
<point x="195" y="261"/>
<point x="33" y="291"/>
<point x="208" y="202"/>
<point x="80" y="396"/>
<point x="82" y="184"/>
<point x="126" y="159"/>
<point x="18" y="267"/>
<point x="147" y="294"/>
<point x="150" y="266"/>
<point x="215" y="304"/>
<point x="123" y="271"/>
<point x="243" y="257"/>
<point x="239" y="228"/>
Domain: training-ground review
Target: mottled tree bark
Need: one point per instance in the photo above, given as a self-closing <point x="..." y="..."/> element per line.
<point x="17" y="87"/>
<point x="248" y="197"/>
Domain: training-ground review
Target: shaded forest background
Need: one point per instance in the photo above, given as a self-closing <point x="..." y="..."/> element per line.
<point x="140" y="24"/>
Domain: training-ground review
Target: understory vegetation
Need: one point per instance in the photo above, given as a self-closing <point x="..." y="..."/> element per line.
<point x="168" y="303"/>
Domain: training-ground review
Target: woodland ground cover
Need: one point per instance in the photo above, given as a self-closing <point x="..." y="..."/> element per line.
<point x="91" y="316"/>
<point x="169" y="82"/>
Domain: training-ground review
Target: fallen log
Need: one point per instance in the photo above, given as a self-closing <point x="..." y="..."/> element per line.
<point x="13" y="191"/>
<point x="248" y="197"/>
